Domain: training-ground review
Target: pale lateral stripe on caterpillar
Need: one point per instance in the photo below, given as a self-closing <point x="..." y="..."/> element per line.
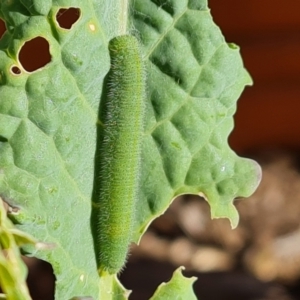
<point x="123" y="122"/>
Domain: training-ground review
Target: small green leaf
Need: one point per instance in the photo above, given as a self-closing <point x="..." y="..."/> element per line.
<point x="178" y="288"/>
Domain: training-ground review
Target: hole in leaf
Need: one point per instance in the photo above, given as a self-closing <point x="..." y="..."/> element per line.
<point x="41" y="279"/>
<point x="16" y="70"/>
<point x="67" y="17"/>
<point x="2" y="28"/>
<point x="35" y="54"/>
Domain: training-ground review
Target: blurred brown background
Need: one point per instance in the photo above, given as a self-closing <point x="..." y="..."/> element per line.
<point x="268" y="33"/>
<point x="260" y="260"/>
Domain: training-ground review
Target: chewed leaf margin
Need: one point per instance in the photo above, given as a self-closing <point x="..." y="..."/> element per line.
<point x="194" y="81"/>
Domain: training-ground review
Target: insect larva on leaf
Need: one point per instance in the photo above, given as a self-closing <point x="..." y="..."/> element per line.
<point x="119" y="170"/>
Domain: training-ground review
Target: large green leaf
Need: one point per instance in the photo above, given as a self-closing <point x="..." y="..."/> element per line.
<point x="48" y="123"/>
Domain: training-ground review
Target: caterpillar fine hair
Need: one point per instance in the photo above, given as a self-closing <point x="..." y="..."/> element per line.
<point x="120" y="153"/>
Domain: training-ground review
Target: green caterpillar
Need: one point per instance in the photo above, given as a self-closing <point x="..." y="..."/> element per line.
<point x="119" y="170"/>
